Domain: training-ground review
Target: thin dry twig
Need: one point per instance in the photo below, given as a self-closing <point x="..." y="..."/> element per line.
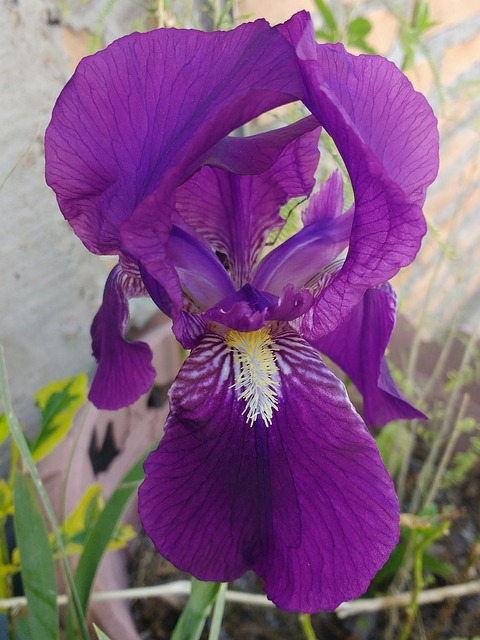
<point x="428" y="596"/>
<point x="345" y="610"/>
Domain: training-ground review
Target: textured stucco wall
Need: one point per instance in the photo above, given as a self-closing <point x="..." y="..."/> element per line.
<point x="50" y="286"/>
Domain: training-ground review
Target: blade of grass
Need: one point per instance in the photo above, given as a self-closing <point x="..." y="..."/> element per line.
<point x="20" y="441"/>
<point x="36" y="558"/>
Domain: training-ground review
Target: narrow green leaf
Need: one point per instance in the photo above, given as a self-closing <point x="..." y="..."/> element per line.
<point x="99" y="537"/>
<point x="36" y="561"/>
<point x="100" y="634"/>
<point x="59" y="401"/>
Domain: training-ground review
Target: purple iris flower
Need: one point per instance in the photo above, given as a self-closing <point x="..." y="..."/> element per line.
<point x="265" y="464"/>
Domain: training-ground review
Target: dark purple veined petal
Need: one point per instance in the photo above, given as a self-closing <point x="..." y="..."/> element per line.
<point x="306" y="502"/>
<point x="297" y="260"/>
<point x="124" y="369"/>
<point x="147" y="111"/>
<point x="235" y="213"/>
<point x="358" y="346"/>
<point x="387" y="136"/>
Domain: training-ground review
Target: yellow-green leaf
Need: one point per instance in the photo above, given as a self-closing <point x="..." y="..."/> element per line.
<point x="84" y="516"/>
<point x="59" y="401"/>
<point x="100" y="634"/>
<point x="6" y="500"/>
<point x="4" y="428"/>
<point x="121" y="537"/>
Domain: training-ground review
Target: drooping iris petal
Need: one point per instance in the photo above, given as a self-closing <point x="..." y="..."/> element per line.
<point x="124" y="369"/>
<point x="306" y="503"/>
<point x="387" y="136"/>
<point x="235" y="213"/>
<point x="358" y="346"/>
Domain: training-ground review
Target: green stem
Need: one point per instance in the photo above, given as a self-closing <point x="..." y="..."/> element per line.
<point x="417" y="587"/>
<point x="306" y="624"/>
<point x="192" y="620"/>
<point x="20" y="441"/>
<point x="217" y="617"/>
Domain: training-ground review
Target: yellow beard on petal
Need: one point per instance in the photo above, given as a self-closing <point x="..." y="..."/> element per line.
<point x="256" y="374"/>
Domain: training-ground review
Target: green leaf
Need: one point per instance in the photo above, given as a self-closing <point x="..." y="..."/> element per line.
<point x="59" y="401"/>
<point x="77" y="527"/>
<point x="99" y="537"/>
<point x="100" y="634"/>
<point x="359" y="28"/>
<point x="438" y="567"/>
<point x="6" y="500"/>
<point x="36" y="560"/>
<point x="4" y="428"/>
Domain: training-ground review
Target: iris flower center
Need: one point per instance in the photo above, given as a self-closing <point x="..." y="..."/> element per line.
<point x="256" y="373"/>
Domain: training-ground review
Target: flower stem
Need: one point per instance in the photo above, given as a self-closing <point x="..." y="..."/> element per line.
<point x="306" y="624"/>
<point x="217" y="616"/>
<point x="192" y="620"/>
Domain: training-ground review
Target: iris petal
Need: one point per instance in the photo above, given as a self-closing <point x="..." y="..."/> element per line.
<point x="358" y="346"/>
<point x="124" y="369"/>
<point x="306" y="503"/>
<point x="151" y="104"/>
<point x="235" y="213"/>
<point x="387" y="136"/>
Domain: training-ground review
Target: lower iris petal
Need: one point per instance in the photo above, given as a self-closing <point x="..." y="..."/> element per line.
<point x="306" y="503"/>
